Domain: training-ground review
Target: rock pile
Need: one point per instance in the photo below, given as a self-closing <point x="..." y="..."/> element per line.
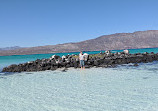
<point x="107" y="59"/>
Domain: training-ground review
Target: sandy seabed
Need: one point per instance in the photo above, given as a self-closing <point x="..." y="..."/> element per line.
<point x="124" y="88"/>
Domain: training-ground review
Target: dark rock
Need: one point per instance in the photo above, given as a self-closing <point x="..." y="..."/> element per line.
<point x="55" y="57"/>
<point x="103" y="65"/>
<point x="135" y="64"/>
<point x="64" y="70"/>
<point x="53" y="68"/>
<point x="75" y="64"/>
<point x="53" y="62"/>
<point x="102" y="60"/>
<point x="67" y="65"/>
<point x="96" y="63"/>
<point x="86" y="66"/>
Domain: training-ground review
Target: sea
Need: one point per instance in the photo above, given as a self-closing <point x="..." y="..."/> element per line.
<point x="123" y="88"/>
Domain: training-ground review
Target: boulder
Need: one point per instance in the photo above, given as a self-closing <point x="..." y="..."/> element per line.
<point x="87" y="66"/>
<point x="55" y="57"/>
<point x="135" y="64"/>
<point x="108" y="52"/>
<point x="86" y="56"/>
<point x="96" y="63"/>
<point x="63" y="57"/>
<point x="67" y="65"/>
<point x="126" y="51"/>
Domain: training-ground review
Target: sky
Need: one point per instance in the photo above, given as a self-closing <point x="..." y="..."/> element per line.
<point x="29" y="23"/>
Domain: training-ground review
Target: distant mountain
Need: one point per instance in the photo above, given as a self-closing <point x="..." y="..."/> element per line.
<point x="139" y="39"/>
<point x="10" y="48"/>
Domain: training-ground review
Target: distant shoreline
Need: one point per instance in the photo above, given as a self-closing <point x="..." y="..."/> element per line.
<point x="76" y="52"/>
<point x="117" y="41"/>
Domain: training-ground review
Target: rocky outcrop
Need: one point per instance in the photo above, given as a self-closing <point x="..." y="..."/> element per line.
<point x="97" y="60"/>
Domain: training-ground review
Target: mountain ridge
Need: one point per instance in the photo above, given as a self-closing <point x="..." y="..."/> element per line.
<point x="138" y="39"/>
<point x="10" y="48"/>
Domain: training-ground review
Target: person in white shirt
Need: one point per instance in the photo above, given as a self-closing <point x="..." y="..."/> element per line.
<point x="81" y="58"/>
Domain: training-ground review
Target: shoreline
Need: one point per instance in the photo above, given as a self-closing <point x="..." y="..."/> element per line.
<point x="104" y="60"/>
<point x="76" y="51"/>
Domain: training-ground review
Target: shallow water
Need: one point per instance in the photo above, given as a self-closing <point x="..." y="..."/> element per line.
<point x="125" y="88"/>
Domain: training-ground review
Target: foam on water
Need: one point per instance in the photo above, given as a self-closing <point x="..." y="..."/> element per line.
<point x="125" y="88"/>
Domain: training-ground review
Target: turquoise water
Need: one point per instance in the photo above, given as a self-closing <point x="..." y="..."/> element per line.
<point x="16" y="59"/>
<point x="124" y="88"/>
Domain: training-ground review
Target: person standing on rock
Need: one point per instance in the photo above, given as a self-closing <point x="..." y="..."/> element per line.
<point x="81" y="58"/>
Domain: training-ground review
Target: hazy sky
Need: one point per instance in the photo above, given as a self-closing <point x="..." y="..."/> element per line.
<point x="48" y="22"/>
